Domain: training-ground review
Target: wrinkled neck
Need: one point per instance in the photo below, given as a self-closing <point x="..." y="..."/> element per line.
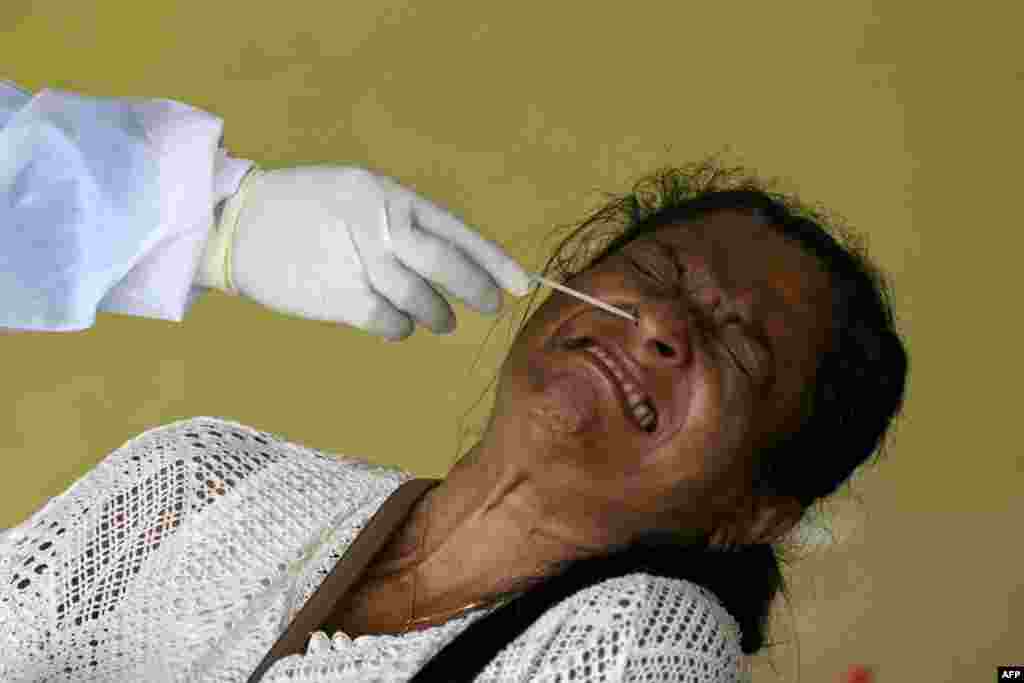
<point x="478" y="535"/>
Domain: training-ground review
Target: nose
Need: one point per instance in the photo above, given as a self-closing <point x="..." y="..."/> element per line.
<point x="668" y="325"/>
<point x="665" y="335"/>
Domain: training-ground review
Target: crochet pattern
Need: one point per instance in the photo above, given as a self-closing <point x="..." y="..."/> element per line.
<point x="184" y="554"/>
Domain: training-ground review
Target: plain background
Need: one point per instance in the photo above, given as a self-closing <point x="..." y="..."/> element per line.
<point x="902" y="117"/>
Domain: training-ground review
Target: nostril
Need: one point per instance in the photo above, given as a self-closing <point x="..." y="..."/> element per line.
<point x="576" y="343"/>
<point x="664" y="349"/>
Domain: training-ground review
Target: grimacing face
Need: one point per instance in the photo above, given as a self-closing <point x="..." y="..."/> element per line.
<point x="720" y="385"/>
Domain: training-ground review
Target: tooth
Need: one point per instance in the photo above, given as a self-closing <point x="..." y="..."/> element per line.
<point x="644" y="415"/>
<point x="641" y="410"/>
<point x="633" y="394"/>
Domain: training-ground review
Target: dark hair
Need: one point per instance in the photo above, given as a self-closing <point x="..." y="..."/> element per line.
<point x="847" y="411"/>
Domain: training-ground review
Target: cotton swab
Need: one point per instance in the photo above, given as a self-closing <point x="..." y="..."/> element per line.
<point x="580" y="295"/>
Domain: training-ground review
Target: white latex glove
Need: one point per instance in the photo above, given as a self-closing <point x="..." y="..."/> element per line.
<point x="344" y="244"/>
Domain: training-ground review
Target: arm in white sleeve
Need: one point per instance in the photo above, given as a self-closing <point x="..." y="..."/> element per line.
<point x="106" y="204"/>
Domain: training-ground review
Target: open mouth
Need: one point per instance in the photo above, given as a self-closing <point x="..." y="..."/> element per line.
<point x="637" y="405"/>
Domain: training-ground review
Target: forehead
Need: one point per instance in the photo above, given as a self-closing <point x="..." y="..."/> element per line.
<point x="744" y="253"/>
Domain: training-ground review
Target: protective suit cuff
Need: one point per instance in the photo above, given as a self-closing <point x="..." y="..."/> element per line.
<point x="215" y="269"/>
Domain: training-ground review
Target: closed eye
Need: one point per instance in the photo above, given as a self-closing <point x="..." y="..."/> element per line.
<point x="736" y="360"/>
<point x="749" y="371"/>
<point x="642" y="270"/>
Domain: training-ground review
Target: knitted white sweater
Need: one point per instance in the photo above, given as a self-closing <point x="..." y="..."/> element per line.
<point x="184" y="555"/>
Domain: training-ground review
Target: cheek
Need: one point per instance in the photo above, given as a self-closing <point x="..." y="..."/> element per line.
<point x="524" y="371"/>
<point x="717" y="425"/>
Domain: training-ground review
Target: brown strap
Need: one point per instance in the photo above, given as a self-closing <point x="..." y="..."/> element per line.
<point x="349" y="568"/>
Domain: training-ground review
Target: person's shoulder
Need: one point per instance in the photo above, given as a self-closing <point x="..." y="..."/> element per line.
<point x="220" y="455"/>
<point x="204" y="426"/>
<point x="665" y="629"/>
<point x="680" y="610"/>
<point x="205" y="431"/>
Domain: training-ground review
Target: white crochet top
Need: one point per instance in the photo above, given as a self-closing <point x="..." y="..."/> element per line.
<point x="185" y="553"/>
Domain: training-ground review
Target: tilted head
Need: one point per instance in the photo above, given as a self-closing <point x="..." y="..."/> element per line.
<point x="766" y="344"/>
<point x="733" y="319"/>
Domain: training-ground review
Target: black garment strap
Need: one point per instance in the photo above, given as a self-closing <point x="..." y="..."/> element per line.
<point x="345" y="573"/>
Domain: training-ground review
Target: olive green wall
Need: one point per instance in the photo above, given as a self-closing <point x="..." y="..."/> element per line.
<point x="903" y="117"/>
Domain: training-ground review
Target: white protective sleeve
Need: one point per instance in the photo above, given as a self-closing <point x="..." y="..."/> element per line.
<point x="106" y="204"/>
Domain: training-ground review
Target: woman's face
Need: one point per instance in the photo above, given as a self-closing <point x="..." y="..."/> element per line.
<point x="721" y="383"/>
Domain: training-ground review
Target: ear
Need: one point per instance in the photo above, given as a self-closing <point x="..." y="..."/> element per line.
<point x="775" y="517"/>
<point x="771" y="519"/>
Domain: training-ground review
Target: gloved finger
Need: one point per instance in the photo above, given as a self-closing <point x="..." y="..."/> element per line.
<point x="444" y="263"/>
<point x="505" y="271"/>
<point x="387" y="321"/>
<point x="411" y="294"/>
<point x="369" y="311"/>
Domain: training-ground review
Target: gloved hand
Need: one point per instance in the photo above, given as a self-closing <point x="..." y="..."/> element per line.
<point x="344" y="244"/>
